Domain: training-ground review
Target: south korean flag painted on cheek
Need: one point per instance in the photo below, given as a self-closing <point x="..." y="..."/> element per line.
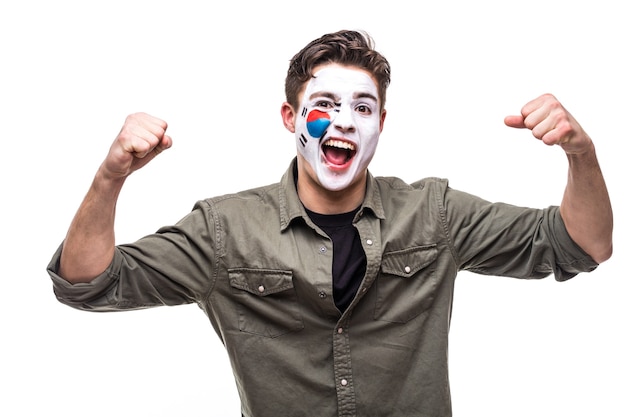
<point x="316" y="123"/>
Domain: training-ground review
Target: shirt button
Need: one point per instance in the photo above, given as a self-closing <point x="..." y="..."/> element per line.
<point x="407" y="269"/>
<point x="344" y="382"/>
<point x="340" y="330"/>
<point x="322" y="249"/>
<point x="369" y="242"/>
<point x="261" y="288"/>
<point x="322" y="294"/>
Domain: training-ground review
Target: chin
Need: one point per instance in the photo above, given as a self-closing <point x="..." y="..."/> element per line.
<point x="337" y="182"/>
<point x="335" y="187"/>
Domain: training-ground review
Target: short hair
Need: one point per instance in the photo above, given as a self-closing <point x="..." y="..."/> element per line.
<point x="345" y="47"/>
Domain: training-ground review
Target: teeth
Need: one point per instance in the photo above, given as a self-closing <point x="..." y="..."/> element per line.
<point x="339" y="144"/>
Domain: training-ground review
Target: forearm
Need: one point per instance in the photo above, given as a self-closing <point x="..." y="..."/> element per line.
<point x="586" y="207"/>
<point x="90" y="242"/>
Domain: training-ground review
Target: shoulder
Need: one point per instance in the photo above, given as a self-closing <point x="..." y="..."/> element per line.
<point x="267" y="194"/>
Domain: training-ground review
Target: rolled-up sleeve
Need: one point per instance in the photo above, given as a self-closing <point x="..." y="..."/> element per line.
<point x="173" y="266"/>
<point x="507" y="240"/>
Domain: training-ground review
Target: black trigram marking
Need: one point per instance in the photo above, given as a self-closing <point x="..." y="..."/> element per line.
<point x="303" y="140"/>
<point x="304" y="111"/>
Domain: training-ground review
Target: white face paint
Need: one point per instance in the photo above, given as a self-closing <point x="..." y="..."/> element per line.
<point x="338" y="126"/>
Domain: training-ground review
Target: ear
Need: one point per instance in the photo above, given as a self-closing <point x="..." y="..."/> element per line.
<point x="382" y="119"/>
<point x="289" y="117"/>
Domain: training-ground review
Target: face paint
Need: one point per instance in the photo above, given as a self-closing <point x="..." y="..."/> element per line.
<point x="337" y="130"/>
<point x="316" y="124"/>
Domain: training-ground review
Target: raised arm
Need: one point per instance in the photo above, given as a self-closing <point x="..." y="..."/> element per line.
<point x="586" y="207"/>
<point x="90" y="242"/>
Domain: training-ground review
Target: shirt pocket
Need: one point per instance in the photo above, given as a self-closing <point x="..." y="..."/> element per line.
<point x="267" y="304"/>
<point x="406" y="285"/>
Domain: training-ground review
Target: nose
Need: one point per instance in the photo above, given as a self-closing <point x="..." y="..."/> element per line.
<point x="344" y="121"/>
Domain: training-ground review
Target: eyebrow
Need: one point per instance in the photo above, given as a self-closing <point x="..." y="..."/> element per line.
<point x="336" y="97"/>
<point x="365" y="95"/>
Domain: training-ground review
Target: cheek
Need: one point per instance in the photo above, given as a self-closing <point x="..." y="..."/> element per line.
<point x="304" y="140"/>
<point x="369" y="131"/>
<point x="311" y="126"/>
<point x="317" y="122"/>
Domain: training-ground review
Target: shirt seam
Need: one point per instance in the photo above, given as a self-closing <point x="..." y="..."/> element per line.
<point x="213" y="213"/>
<point x="444" y="220"/>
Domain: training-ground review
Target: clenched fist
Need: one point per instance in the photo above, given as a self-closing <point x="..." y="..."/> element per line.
<point x="549" y="122"/>
<point x="141" y="139"/>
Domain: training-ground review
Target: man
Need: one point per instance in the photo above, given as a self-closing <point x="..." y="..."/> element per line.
<point x="332" y="289"/>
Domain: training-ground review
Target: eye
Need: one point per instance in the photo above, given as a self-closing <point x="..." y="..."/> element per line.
<point x="325" y="104"/>
<point x="363" y="109"/>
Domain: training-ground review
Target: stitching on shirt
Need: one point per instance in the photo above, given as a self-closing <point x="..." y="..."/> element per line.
<point x="441" y="186"/>
<point x="212" y="213"/>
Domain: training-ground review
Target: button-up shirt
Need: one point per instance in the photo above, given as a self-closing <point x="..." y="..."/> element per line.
<point x="262" y="272"/>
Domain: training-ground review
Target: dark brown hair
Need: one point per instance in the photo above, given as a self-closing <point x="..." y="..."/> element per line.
<point x="346" y="47"/>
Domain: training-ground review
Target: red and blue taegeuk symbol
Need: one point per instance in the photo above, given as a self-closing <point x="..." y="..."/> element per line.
<point x="317" y="122"/>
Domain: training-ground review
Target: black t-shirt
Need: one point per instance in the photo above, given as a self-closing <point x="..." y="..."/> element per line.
<point x="348" y="255"/>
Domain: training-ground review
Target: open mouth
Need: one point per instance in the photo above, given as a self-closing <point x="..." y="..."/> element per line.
<point x="338" y="152"/>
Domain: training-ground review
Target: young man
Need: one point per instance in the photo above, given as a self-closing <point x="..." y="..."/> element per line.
<point x="332" y="289"/>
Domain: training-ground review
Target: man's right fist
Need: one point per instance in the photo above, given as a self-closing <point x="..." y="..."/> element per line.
<point x="141" y="139"/>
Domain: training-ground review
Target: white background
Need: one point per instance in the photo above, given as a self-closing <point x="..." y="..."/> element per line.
<point x="71" y="71"/>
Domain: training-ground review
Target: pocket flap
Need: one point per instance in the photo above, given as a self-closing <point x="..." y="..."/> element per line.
<point x="406" y="262"/>
<point x="260" y="282"/>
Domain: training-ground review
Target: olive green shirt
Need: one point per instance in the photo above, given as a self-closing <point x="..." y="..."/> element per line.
<point x="261" y="271"/>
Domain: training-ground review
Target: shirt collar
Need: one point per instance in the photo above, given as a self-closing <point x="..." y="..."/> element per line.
<point x="291" y="207"/>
